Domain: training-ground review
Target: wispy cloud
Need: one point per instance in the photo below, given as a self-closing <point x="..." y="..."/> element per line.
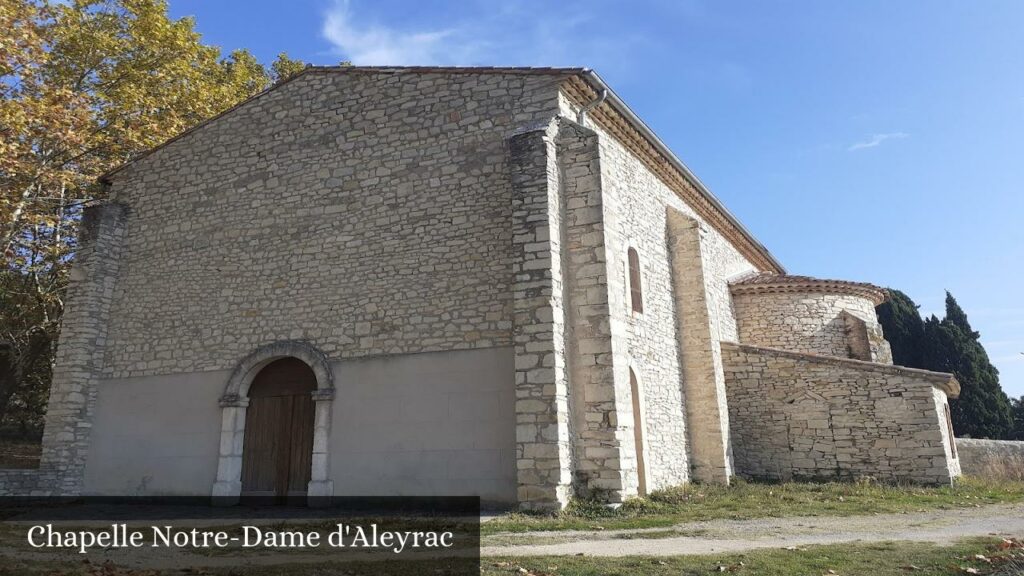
<point x="482" y="37"/>
<point x="377" y="45"/>
<point x="877" y="140"/>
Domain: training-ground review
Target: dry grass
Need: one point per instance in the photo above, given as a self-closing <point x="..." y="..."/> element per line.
<point x="745" y="500"/>
<point x="985" y="556"/>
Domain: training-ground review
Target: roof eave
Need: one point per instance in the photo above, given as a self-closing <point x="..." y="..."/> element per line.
<point x="598" y="84"/>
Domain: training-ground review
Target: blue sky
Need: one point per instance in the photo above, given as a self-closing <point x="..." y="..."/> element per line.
<point x="873" y="140"/>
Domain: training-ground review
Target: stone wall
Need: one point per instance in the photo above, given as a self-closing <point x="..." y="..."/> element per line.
<point x="364" y="212"/>
<point x="604" y="463"/>
<point x="20" y="482"/>
<point x="995" y="459"/>
<point x="543" y="437"/>
<point x="802" y="416"/>
<point x="637" y="207"/>
<point x="812" y="322"/>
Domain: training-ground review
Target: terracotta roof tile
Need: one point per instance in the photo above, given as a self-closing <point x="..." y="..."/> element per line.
<point x="768" y="283"/>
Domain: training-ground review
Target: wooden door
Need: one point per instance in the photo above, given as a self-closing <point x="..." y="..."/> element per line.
<point x="278" y="450"/>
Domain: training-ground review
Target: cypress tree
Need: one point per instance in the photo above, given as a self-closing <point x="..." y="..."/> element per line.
<point x="956" y="316"/>
<point x="1018" y="419"/>
<point x="901" y="322"/>
<point x="983" y="410"/>
<point x="951" y="345"/>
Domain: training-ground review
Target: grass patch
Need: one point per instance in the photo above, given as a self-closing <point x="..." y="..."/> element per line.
<point x="746" y="500"/>
<point x="987" y="556"/>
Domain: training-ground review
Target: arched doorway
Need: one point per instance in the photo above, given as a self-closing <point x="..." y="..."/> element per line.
<point x="278" y="446"/>
<point x="234" y="405"/>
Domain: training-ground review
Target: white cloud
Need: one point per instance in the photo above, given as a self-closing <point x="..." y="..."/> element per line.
<point x="375" y="45"/>
<point x="877" y="139"/>
<point x="521" y="33"/>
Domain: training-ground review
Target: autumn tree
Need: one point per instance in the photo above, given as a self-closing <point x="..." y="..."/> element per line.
<point x="284" y="67"/>
<point x="84" y="86"/>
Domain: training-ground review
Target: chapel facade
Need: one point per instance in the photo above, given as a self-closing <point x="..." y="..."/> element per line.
<point x="456" y="281"/>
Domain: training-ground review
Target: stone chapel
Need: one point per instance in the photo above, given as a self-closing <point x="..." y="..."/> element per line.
<point x="456" y="281"/>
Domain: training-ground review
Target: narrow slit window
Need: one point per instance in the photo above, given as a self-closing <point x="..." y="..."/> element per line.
<point x="949" y="428"/>
<point x="638" y="434"/>
<point x="635" y="290"/>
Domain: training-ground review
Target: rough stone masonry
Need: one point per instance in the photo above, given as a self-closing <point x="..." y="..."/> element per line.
<point x="505" y="285"/>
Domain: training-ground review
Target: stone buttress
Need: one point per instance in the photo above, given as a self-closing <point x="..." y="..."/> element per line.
<point x="79" y="361"/>
<point x="571" y="381"/>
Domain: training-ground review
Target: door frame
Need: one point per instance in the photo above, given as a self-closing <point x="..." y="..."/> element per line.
<point x="227" y="489"/>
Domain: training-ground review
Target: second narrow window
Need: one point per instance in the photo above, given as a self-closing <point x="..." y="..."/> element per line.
<point x="635" y="291"/>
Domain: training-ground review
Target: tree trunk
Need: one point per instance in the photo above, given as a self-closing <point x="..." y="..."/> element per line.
<point x="10" y="375"/>
<point x="11" y="231"/>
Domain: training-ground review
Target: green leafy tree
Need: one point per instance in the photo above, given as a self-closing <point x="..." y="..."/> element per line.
<point x="901" y="321"/>
<point x="84" y="86"/>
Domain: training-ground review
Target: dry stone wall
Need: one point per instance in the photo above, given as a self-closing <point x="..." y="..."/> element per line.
<point x="801" y="416"/>
<point x="995" y="459"/>
<point x="364" y="212"/>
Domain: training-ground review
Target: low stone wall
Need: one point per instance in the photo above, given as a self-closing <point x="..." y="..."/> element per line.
<point x="19" y="482"/>
<point x="996" y="459"/>
<point x="800" y="416"/>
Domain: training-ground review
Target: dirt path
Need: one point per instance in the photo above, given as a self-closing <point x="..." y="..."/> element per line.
<point x="940" y="526"/>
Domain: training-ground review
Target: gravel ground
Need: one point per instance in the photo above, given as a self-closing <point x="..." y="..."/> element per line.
<point x="939" y="526"/>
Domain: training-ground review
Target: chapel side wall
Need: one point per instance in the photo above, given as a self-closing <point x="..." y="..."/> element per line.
<point x="808" y="322"/>
<point x="803" y="417"/>
<point x="364" y="213"/>
<point x="636" y="204"/>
